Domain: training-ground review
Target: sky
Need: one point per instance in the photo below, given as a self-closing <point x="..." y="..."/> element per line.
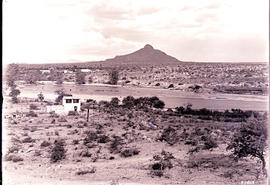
<point x="49" y="31"/>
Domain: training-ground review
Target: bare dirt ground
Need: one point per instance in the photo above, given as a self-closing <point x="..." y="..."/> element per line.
<point x="93" y="155"/>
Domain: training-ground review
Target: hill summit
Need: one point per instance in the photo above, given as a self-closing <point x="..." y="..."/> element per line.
<point x="145" y="55"/>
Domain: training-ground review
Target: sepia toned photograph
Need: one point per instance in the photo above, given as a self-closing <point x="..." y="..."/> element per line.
<point x="126" y="92"/>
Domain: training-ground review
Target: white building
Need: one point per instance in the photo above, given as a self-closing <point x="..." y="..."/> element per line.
<point x="71" y="103"/>
<point x="45" y="71"/>
<point x="86" y="70"/>
<point x="68" y="71"/>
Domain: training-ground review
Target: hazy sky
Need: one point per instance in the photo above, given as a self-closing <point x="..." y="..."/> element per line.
<point x="43" y="31"/>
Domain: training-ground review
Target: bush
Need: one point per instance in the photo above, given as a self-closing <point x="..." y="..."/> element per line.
<point x="28" y="140"/>
<point x="53" y="114"/>
<point x="75" y="141"/>
<point x="13" y="149"/>
<point x="13" y="158"/>
<point x="62" y="119"/>
<point x="129" y="152"/>
<point x="31" y="114"/>
<point x="171" y="86"/>
<point x="103" y="139"/>
<point x="116" y="144"/>
<point x="40" y="96"/>
<point x="250" y="140"/>
<point x="86" y="171"/>
<point x="33" y="107"/>
<point x="45" y="144"/>
<point x="128" y="102"/>
<point x="115" y="102"/>
<point x="58" y="151"/>
<point x="14" y="93"/>
<point x="61" y="93"/>
<point x="159" y="104"/>
<point x="209" y="143"/>
<point x="73" y="113"/>
<point x="162" y="162"/>
<point x="90" y="137"/>
<point x="169" y="135"/>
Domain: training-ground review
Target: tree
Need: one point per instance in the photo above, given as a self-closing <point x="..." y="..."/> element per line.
<point x="89" y="104"/>
<point x="59" y="77"/>
<point x="250" y="140"/>
<point x="12" y="75"/>
<point x="32" y="76"/>
<point x="115" y="102"/>
<point x="80" y="77"/>
<point x="113" y="77"/>
<point x="129" y="102"/>
<point x="159" y="104"/>
<point x="40" y="96"/>
<point x="14" y="93"/>
<point x="61" y="93"/>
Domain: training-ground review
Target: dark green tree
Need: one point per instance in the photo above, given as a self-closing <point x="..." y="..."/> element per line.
<point x="11" y="77"/>
<point x="40" y="96"/>
<point x="250" y="140"/>
<point x="113" y="77"/>
<point x="80" y="77"/>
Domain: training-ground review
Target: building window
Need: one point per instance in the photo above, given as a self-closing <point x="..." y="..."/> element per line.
<point x="75" y="100"/>
<point x="68" y="100"/>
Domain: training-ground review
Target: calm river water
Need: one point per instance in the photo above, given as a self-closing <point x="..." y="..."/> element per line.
<point x="172" y="98"/>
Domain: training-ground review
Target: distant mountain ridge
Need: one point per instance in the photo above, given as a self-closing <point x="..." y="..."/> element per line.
<point x="146" y="55"/>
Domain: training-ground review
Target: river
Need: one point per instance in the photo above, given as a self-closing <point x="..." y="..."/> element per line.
<point x="172" y="98"/>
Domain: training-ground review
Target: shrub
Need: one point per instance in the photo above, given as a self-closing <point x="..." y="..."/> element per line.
<point x="209" y="143"/>
<point x="62" y="119"/>
<point x="45" y="144"/>
<point x="116" y="144"/>
<point x="171" y="86"/>
<point x="159" y="104"/>
<point x="103" y="139"/>
<point x="40" y="96"/>
<point x="31" y="114"/>
<point x="13" y="149"/>
<point x="128" y="102"/>
<point x="250" y="140"/>
<point x="28" y="140"/>
<point x="129" y="152"/>
<point x="90" y="80"/>
<point x="75" y="141"/>
<point x="115" y="102"/>
<point x="33" y="107"/>
<point x="61" y="93"/>
<point x="13" y="158"/>
<point x="53" y="114"/>
<point x="58" y="151"/>
<point x="73" y="113"/>
<point x="85" y="153"/>
<point x="90" y="137"/>
<point x="14" y="93"/>
<point x="162" y="161"/>
<point x="86" y="171"/>
<point x="169" y="135"/>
